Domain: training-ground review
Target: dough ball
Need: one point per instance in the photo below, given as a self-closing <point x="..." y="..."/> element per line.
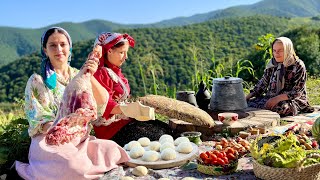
<point x="165" y="136"/>
<point x="168" y="154"/>
<point x="188" y="178"/>
<point x="185" y="147"/>
<point x="136" y="152"/>
<point x="126" y="178"/>
<point x="140" y="171"/>
<point x="180" y="140"/>
<point x="125" y="147"/>
<point x="166" y="145"/>
<point x="163" y="179"/>
<point x="132" y="144"/>
<point x="165" y="140"/>
<point x="150" y="156"/>
<point x="144" y="141"/>
<point x="154" y="146"/>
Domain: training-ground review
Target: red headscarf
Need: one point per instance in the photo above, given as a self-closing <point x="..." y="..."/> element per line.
<point x="107" y="40"/>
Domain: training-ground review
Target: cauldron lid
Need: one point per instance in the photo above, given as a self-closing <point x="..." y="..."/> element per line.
<point x="227" y="80"/>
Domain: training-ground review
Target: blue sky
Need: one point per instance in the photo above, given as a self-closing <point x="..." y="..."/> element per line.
<point x="41" y="13"/>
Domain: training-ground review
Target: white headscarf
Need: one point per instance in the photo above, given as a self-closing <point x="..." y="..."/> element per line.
<point x="290" y="58"/>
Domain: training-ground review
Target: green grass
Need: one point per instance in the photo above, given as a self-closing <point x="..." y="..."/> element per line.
<point x="313" y="90"/>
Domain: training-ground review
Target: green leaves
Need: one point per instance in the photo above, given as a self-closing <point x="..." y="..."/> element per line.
<point x="14" y="142"/>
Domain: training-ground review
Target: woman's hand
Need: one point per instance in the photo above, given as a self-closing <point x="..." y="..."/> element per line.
<point x="91" y="65"/>
<point x="272" y="102"/>
<point x="46" y="126"/>
<point x="249" y="96"/>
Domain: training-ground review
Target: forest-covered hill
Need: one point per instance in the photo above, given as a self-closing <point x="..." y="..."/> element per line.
<point x="280" y="8"/>
<point x="176" y="50"/>
<point x="17" y="42"/>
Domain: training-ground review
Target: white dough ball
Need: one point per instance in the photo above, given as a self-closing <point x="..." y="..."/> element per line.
<point x="166" y="140"/>
<point x="180" y="140"/>
<point x="168" y="154"/>
<point x="163" y="179"/>
<point x="166" y="145"/>
<point x="140" y="171"/>
<point x="185" y="147"/>
<point x="126" y="178"/>
<point x="144" y="141"/>
<point x="136" y="152"/>
<point x="150" y="156"/>
<point x="188" y="178"/>
<point x="133" y="144"/>
<point x="126" y="147"/>
<point x="165" y="136"/>
<point x="154" y="146"/>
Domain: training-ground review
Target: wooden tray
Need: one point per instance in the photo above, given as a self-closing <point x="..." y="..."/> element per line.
<point x="162" y="164"/>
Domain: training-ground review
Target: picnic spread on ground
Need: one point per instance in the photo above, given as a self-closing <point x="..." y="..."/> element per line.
<point x="235" y="142"/>
<point x="275" y="152"/>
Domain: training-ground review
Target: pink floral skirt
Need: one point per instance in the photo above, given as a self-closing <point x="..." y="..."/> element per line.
<point x="87" y="158"/>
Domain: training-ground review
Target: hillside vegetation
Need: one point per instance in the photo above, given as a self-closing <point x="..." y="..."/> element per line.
<point x="177" y="56"/>
<point x="17" y="42"/>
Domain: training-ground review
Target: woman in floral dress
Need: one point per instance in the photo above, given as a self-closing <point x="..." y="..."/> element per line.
<point x="92" y="157"/>
<point x="282" y="88"/>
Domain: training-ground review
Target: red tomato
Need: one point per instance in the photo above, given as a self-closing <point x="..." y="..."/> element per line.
<point x="215" y="151"/>
<point x="215" y="163"/>
<point x="213" y="157"/>
<point x="203" y="156"/>
<point x="224" y="154"/>
<point x="226" y="160"/>
<point x="208" y="153"/>
<point x="220" y="155"/>
<point x="220" y="162"/>
<point x="207" y="161"/>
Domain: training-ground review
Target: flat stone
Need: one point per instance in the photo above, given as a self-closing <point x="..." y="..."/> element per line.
<point x="303" y="117"/>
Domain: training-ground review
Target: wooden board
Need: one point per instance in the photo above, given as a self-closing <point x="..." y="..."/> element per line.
<point x="162" y="164"/>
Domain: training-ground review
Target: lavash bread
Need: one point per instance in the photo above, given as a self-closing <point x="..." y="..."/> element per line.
<point x="178" y="110"/>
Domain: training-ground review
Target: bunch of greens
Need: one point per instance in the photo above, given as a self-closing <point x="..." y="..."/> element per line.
<point x="285" y="152"/>
<point x="14" y="143"/>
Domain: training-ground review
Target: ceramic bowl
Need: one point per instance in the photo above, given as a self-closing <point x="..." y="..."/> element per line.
<point x="228" y="118"/>
<point x="193" y="136"/>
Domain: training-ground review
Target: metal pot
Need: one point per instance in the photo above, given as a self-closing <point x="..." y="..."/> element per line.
<point x="187" y="96"/>
<point x="227" y="94"/>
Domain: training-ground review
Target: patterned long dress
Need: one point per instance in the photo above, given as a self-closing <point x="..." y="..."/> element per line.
<point x="295" y="87"/>
<point x="88" y="160"/>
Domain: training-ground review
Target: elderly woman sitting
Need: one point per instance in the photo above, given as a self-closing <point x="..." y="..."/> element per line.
<point x="282" y="88"/>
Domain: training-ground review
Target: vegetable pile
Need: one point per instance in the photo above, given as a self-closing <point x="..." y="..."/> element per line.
<point x="282" y="151"/>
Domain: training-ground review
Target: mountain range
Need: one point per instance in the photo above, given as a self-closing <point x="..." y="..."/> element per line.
<point x="17" y="42"/>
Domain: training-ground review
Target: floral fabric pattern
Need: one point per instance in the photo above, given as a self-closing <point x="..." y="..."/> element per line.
<point x="41" y="103"/>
